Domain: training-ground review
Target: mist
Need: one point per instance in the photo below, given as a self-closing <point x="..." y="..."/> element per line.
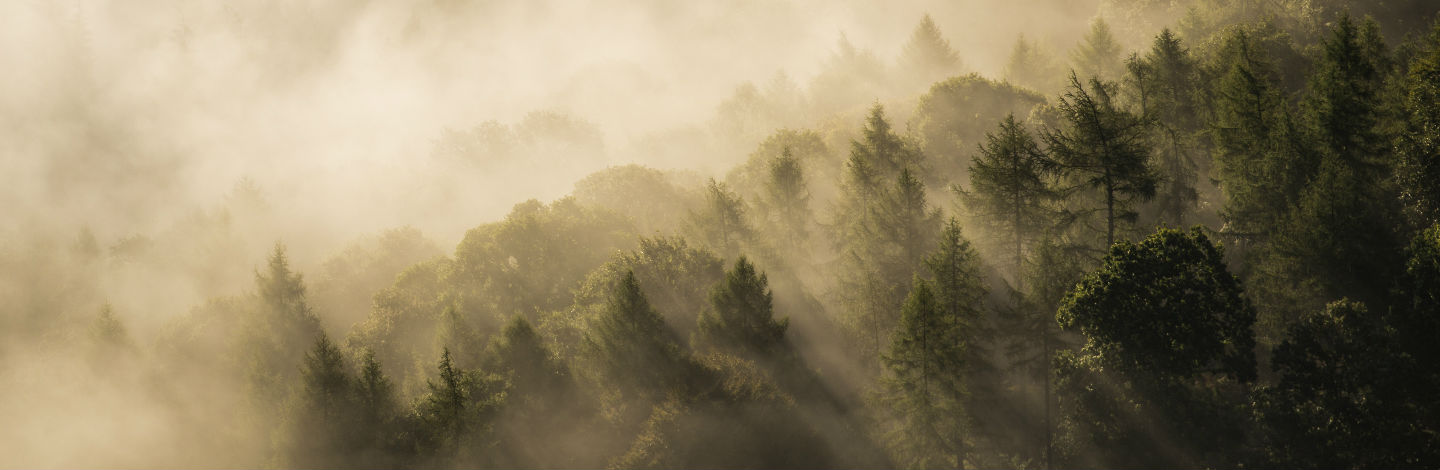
<point x="658" y="234"/>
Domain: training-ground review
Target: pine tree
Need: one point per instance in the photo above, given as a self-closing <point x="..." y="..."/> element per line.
<point x="883" y="231"/>
<point x="323" y="432"/>
<point x="1031" y="67"/>
<point x="924" y="385"/>
<point x="1099" y="55"/>
<point x="632" y="344"/>
<point x="1012" y="189"/>
<point x="1418" y="167"/>
<point x="741" y="317"/>
<point x="721" y="223"/>
<point x="1103" y="148"/>
<point x="1165" y="81"/>
<point x="928" y="57"/>
<point x="445" y="410"/>
<point x="1261" y="158"/>
<point x="959" y="288"/>
<point x="788" y="199"/>
<point x="882" y="149"/>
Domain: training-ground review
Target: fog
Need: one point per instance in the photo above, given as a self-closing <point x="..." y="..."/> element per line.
<point x="194" y="192"/>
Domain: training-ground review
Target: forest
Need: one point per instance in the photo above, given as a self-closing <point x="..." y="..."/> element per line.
<point x="794" y="234"/>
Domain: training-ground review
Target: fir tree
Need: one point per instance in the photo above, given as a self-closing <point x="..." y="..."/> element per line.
<point x="1098" y="55"/>
<point x="741" y="317"/>
<point x="924" y="385"/>
<point x="928" y="57"/>
<point x="1103" y="148"/>
<point x="1012" y="189"/>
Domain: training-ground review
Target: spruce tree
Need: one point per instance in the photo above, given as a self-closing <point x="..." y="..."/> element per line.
<point x="924" y="385"/>
<point x="633" y="346"/>
<point x="884" y="226"/>
<point x="1098" y="56"/>
<point x="721" y="223"/>
<point x="1011" y="190"/>
<point x="788" y="199"/>
<point x="927" y="56"/>
<point x="741" y="317"/>
<point x="1103" y="148"/>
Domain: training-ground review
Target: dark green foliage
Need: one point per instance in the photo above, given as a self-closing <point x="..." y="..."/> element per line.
<point x="1168" y="340"/>
<point x="1327" y="407"/>
<point x="1102" y="148"/>
<point x="1012" y="191"/>
<point x="323" y="430"/>
<point x="1418" y="168"/>
<point x="632" y="345"/>
<point x="455" y="417"/>
<point x="924" y="387"/>
<point x="741" y="317"/>
<point x="1262" y="160"/>
<point x="1355" y="385"/>
<point x="1165" y="307"/>
<point x="1165" y="82"/>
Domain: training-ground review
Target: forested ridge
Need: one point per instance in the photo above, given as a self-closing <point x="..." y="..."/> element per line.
<point x="1217" y="248"/>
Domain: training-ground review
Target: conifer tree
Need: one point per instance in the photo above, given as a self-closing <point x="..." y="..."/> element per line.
<point x="721" y="223"/>
<point x="1030" y="67"/>
<point x="924" y="385"/>
<point x="927" y="56"/>
<point x="1261" y="159"/>
<point x="1098" y="56"/>
<point x="1418" y="166"/>
<point x="1164" y="81"/>
<point x="741" y="317"/>
<point x="1102" y="148"/>
<point x="1011" y="190"/>
<point x="632" y="344"/>
<point x="788" y="199"/>
<point x="884" y="228"/>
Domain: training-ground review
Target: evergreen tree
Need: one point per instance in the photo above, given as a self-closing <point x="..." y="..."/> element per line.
<point x="1261" y="157"/>
<point x="741" y="317"/>
<point x="1341" y="239"/>
<point x="884" y="151"/>
<point x="323" y="434"/>
<point x="924" y="385"/>
<point x="1030" y="67"/>
<point x="883" y="232"/>
<point x="1165" y="81"/>
<point x="788" y="199"/>
<point x="721" y="223"/>
<point x="1418" y="167"/>
<point x="927" y="56"/>
<point x="1012" y="189"/>
<point x="107" y="333"/>
<point x="1098" y="56"/>
<point x="1102" y="147"/>
<point x="632" y="344"/>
